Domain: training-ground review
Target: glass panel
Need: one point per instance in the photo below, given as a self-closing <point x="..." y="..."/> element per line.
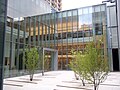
<point x="74" y="19"/>
<point x="114" y="37"/>
<point x="108" y="16"/>
<point x="85" y="11"/>
<point x="80" y="11"/>
<point x="97" y="8"/>
<point x="9" y="28"/>
<point x="69" y="20"/>
<point x="7" y="62"/>
<point x="103" y="7"/>
<point x="80" y="22"/>
<point x="59" y="21"/>
<point x="113" y="16"/>
<point x="64" y="20"/>
<point x="75" y="12"/>
<point x="90" y="10"/>
<point x="98" y="29"/>
<point x="22" y="31"/>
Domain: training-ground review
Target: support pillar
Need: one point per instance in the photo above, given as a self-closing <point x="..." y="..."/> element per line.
<point x="3" y="17"/>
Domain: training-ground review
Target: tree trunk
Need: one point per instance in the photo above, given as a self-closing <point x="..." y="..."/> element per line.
<point x="83" y="82"/>
<point x="76" y="76"/>
<point x="31" y="76"/>
<point x="31" y="79"/>
<point x="42" y="73"/>
<point x="95" y="87"/>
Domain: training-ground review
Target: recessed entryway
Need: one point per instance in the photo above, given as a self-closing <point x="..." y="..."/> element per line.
<point x="115" y="59"/>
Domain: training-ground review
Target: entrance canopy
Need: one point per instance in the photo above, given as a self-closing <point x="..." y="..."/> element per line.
<point x="54" y="53"/>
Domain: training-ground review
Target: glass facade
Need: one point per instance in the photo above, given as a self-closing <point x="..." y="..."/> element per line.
<point x="62" y="31"/>
<point x="112" y="26"/>
<point x="24" y="8"/>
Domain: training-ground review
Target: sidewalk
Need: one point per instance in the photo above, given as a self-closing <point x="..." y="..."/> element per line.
<point x="59" y="80"/>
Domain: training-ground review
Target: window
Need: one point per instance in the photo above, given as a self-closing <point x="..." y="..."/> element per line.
<point x="98" y="29"/>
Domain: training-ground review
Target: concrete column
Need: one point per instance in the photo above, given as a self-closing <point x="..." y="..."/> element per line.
<point x="52" y="60"/>
<point x="56" y="60"/>
<point x="3" y="16"/>
<point x="43" y="63"/>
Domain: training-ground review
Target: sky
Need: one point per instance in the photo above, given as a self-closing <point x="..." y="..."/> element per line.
<point x="71" y="4"/>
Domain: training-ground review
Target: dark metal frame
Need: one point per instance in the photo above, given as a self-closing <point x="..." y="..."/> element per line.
<point x="3" y="20"/>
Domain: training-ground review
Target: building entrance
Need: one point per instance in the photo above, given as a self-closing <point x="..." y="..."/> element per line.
<point x="115" y="60"/>
<point x="52" y="57"/>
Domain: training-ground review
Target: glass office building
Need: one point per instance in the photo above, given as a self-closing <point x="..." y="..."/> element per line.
<point x="62" y="31"/>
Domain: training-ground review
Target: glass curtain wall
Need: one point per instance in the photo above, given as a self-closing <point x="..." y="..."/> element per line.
<point x="35" y="31"/>
<point x="78" y="27"/>
<point x="25" y="30"/>
<point x="64" y="31"/>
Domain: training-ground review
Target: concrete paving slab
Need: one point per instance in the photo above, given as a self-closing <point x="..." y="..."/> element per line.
<point x="59" y="80"/>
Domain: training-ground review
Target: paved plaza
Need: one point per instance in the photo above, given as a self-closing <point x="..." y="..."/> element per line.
<point x="59" y="80"/>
